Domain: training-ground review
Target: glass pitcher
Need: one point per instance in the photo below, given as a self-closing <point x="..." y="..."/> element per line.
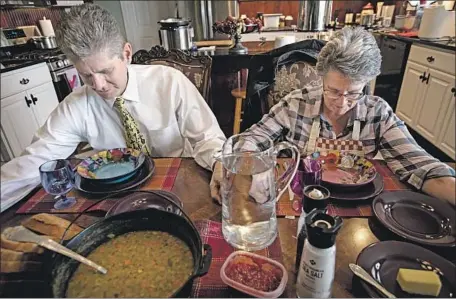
<point x="250" y="189"/>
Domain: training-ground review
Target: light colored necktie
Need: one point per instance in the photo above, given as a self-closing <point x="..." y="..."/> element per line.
<point x="133" y="136"/>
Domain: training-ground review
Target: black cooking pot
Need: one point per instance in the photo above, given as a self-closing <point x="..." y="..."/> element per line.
<point x="139" y="220"/>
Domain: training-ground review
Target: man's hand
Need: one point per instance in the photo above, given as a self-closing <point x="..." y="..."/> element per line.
<point x="217" y="175"/>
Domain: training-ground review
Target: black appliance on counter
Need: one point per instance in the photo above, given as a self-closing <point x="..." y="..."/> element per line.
<point x="59" y="66"/>
<point x="394" y="60"/>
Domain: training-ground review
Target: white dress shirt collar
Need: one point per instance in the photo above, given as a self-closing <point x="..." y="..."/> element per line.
<point x="131" y="92"/>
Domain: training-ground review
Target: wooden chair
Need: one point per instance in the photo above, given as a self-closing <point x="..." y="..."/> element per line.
<point x="239" y="95"/>
<point x="289" y="77"/>
<point x="196" y="68"/>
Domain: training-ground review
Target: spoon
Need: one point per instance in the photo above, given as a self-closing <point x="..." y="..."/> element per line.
<point x="361" y="273"/>
<point x="21" y="234"/>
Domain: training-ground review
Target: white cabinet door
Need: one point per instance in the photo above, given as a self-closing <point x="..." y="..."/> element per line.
<point x="18" y="122"/>
<point x="434" y="106"/>
<point x="411" y="92"/>
<point x="446" y="140"/>
<point x="45" y="100"/>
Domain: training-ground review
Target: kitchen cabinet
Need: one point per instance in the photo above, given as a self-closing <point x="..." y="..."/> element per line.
<point x="412" y="88"/>
<point x="434" y="105"/>
<point x="426" y="100"/>
<point x="18" y="122"/>
<point x="446" y="140"/>
<point x="45" y="100"/>
<point x="27" y="99"/>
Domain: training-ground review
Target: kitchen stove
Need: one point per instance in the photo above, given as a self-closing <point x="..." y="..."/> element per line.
<point x="55" y="59"/>
<point x="62" y="71"/>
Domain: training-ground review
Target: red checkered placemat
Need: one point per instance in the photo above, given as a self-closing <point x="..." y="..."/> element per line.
<point x="162" y="179"/>
<point x="348" y="209"/>
<point x="211" y="284"/>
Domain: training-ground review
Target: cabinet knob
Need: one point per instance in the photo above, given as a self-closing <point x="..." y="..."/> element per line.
<point x="423" y="77"/>
<point x="27" y="101"/>
<point x="453" y="90"/>
<point x="34" y="99"/>
<point x="24" y="81"/>
<point x="430" y="59"/>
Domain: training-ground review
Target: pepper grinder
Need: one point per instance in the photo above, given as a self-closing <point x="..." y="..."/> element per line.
<point x="314" y="197"/>
<point x="318" y="262"/>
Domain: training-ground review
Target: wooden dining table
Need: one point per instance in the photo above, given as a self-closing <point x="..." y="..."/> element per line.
<point x="192" y="187"/>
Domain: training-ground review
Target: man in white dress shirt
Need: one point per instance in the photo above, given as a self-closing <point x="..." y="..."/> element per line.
<point x="170" y="113"/>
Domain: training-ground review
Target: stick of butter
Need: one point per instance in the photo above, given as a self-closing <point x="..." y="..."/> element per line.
<point x="420" y="282"/>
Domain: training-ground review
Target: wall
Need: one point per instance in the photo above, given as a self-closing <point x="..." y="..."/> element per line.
<point x="291" y="7"/>
<point x="250" y="8"/>
<point x="116" y="10"/>
<point x="11" y="18"/>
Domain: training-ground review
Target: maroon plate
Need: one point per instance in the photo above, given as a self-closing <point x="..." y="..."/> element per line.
<point x="417" y="217"/>
<point x="158" y="199"/>
<point x="365" y="192"/>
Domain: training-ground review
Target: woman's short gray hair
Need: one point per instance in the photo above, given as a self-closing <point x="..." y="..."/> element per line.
<point x="353" y="52"/>
<point x="89" y="29"/>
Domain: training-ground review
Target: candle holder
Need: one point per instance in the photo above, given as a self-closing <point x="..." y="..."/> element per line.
<point x="235" y="28"/>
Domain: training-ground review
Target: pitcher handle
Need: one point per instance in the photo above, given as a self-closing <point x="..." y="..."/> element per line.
<point x="283" y="182"/>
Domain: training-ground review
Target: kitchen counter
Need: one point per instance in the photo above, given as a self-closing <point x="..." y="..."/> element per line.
<point x="447" y="45"/>
<point x="11" y="65"/>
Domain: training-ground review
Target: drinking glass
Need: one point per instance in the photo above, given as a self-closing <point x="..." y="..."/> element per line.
<point x="57" y="178"/>
<point x="309" y="173"/>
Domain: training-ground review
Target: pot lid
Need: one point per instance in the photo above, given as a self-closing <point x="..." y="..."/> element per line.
<point x="174" y="22"/>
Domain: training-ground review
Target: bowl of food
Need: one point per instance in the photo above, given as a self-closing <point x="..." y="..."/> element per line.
<point x="254" y="274"/>
<point x="147" y="253"/>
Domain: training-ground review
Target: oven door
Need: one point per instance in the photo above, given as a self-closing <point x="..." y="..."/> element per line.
<point x="65" y="81"/>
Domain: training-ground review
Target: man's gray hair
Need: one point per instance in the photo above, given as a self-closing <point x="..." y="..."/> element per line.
<point x="89" y="29"/>
<point x="353" y="52"/>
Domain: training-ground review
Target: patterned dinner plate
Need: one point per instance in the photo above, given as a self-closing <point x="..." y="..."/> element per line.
<point x="111" y="166"/>
<point x="96" y="187"/>
<point x="345" y="170"/>
<point x="383" y="260"/>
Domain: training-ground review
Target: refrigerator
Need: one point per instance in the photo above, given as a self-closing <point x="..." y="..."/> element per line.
<point x="204" y="13"/>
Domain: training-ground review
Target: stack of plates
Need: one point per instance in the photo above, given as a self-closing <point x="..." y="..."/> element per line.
<point x="417" y="218"/>
<point x="113" y="170"/>
<point x="349" y="177"/>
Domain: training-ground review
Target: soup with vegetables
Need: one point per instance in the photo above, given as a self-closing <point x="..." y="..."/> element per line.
<point x="139" y="264"/>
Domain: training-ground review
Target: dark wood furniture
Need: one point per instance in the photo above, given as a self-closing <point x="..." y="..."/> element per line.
<point x="196" y="68"/>
<point x="192" y="187"/>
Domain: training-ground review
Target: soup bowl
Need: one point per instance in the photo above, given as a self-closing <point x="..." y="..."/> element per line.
<point x="151" y="219"/>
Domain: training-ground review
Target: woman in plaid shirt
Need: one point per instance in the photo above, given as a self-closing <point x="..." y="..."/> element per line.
<point x="340" y="114"/>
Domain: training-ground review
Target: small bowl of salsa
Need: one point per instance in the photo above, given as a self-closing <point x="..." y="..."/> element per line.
<point x="254" y="274"/>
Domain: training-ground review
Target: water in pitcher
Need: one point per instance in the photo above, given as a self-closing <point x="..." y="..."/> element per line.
<point x="248" y="201"/>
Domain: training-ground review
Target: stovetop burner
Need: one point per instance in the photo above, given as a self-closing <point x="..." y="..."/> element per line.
<point x="40" y="54"/>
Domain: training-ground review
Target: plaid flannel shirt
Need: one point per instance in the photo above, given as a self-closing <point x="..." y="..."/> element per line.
<point x="381" y="130"/>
